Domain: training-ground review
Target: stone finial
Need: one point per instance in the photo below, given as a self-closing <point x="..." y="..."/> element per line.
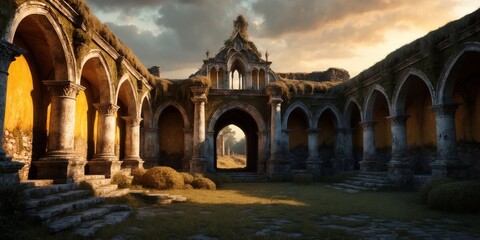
<point x="266" y="55"/>
<point x="208" y="53"/>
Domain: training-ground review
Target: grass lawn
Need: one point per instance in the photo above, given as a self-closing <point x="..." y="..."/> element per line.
<point x="240" y="210"/>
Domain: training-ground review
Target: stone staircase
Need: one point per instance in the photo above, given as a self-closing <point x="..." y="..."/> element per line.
<point x="246" y="177"/>
<point x="103" y="187"/>
<point x="65" y="206"/>
<point x="364" y="181"/>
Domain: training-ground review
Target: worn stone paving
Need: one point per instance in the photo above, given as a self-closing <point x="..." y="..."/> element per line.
<point x="361" y="225"/>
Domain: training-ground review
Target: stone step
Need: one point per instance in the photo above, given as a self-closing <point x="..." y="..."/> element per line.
<point x="246" y="177"/>
<point x="104" y="190"/>
<point x="117" y="193"/>
<point x="370" y="180"/>
<point x="55" y="198"/>
<point x="93" y="177"/>
<point x="48" y="190"/>
<point x="47" y="214"/>
<point x="89" y="228"/>
<point x="378" y="177"/>
<point x="96" y="183"/>
<point x="346" y="185"/>
<point x="37" y="183"/>
<point x="372" y="186"/>
<point x="84" y="216"/>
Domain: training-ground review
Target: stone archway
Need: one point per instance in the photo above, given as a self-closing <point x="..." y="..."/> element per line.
<point x="247" y="118"/>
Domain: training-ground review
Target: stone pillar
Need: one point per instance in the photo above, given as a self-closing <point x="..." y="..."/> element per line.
<point x="198" y="163"/>
<point x="447" y="163"/>
<point x="262" y="151"/>
<point x="313" y="163"/>
<point x="105" y="162"/>
<point x="211" y="151"/>
<point x="369" y="162"/>
<point x="61" y="163"/>
<point x="349" y="160"/>
<point x="400" y="168"/>
<point x="150" y="148"/>
<point x="188" y="151"/>
<point x="8" y="169"/>
<point x="132" y="143"/>
<point x="339" y="161"/>
<point x="277" y="163"/>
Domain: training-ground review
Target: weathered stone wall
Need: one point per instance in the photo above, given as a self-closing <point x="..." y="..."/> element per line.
<point x="18" y="144"/>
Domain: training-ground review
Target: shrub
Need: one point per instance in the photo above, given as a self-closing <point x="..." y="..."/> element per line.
<point x="162" y="178"/>
<point x="187" y="177"/>
<point x="122" y="180"/>
<point x="303" y="178"/>
<point x="218" y="179"/>
<point x="84" y="185"/>
<point x="462" y="197"/>
<point x="187" y="187"/>
<point x="137" y="174"/>
<point x="431" y="184"/>
<point x="204" y="183"/>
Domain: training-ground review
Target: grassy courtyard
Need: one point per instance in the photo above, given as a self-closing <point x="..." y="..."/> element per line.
<point x="249" y="210"/>
<point x="282" y="211"/>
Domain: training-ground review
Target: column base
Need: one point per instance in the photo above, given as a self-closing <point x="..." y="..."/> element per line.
<point x="198" y="165"/>
<point x="62" y="169"/>
<point x="277" y="168"/>
<point x="451" y="168"/>
<point x="107" y="166"/>
<point x="132" y="162"/>
<point x="348" y="164"/>
<point x="372" y="165"/>
<point x="150" y="162"/>
<point x="9" y="176"/>
<point x="261" y="169"/>
<point x="401" y="173"/>
<point x="314" y="166"/>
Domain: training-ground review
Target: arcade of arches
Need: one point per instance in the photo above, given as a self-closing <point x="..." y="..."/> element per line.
<point x="70" y="111"/>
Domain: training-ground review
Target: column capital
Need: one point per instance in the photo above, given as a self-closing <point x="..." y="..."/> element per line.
<point x="368" y="125"/>
<point x="132" y="121"/>
<point x="8" y="53"/>
<point x="63" y="88"/>
<point x="343" y="130"/>
<point x="106" y="108"/>
<point x="199" y="93"/>
<point x="312" y="130"/>
<point x="398" y="120"/>
<point x="275" y="100"/>
<point x="445" y="109"/>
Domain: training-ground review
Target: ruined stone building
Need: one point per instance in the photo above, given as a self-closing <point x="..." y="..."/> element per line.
<point x="78" y="102"/>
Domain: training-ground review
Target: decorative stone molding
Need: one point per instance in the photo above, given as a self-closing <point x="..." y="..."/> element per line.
<point x="63" y="88"/>
<point x="106" y="109"/>
<point x="445" y="109"/>
<point x="399" y="120"/>
<point x="8" y="54"/>
<point x="368" y="125"/>
<point x="132" y="121"/>
<point x="199" y="93"/>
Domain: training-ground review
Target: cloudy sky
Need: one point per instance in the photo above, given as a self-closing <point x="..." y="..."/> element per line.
<point x="300" y="35"/>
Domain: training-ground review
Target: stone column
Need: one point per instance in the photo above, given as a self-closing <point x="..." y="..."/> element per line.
<point x="313" y="163"/>
<point x="198" y="163"/>
<point x="105" y="162"/>
<point x="150" y="148"/>
<point x="400" y="168"/>
<point x="211" y="151"/>
<point x="188" y="151"/>
<point x="339" y="161"/>
<point x="61" y="163"/>
<point x="369" y="162"/>
<point x="277" y="163"/>
<point x="262" y="151"/>
<point x="349" y="160"/>
<point x="447" y="163"/>
<point x="9" y="176"/>
<point x="132" y="143"/>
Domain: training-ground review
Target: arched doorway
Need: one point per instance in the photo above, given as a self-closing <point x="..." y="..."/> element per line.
<point x="248" y="125"/>
<point x="327" y="141"/>
<point x="171" y="138"/>
<point x="231" y="148"/>
<point x="354" y="133"/>
<point x="297" y="125"/>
